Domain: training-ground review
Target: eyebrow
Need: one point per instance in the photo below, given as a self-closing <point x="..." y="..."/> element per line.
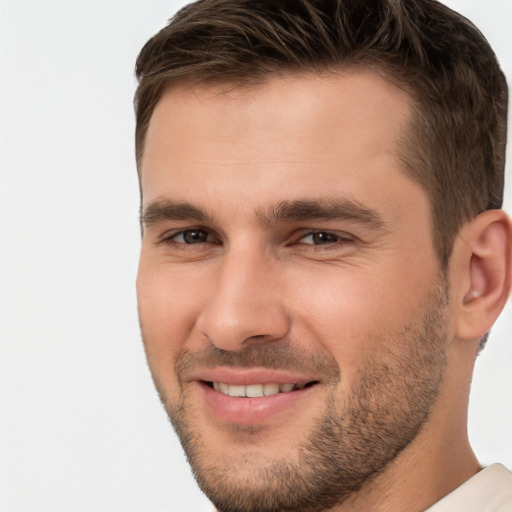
<point x="324" y="209"/>
<point x="283" y="211"/>
<point x="166" y="209"/>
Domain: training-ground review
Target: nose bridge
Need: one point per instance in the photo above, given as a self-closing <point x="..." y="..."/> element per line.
<point x="245" y="301"/>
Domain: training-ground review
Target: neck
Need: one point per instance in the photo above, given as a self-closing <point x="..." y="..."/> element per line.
<point x="437" y="461"/>
<point x="419" y="477"/>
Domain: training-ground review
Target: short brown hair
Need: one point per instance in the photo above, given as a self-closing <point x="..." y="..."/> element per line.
<point x="455" y="146"/>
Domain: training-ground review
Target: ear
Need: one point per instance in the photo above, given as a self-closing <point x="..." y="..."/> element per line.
<point x="481" y="270"/>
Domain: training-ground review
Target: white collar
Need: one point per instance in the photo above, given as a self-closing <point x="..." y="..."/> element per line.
<point x="490" y="490"/>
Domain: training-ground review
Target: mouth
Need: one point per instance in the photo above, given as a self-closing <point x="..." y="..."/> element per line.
<point x="257" y="390"/>
<point x="254" y="396"/>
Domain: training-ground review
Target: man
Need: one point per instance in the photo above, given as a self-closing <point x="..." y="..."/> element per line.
<point x="323" y="249"/>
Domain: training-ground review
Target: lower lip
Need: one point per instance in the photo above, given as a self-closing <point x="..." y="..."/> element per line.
<point x="251" y="411"/>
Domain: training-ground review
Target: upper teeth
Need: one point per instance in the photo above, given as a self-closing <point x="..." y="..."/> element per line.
<point x="255" y="390"/>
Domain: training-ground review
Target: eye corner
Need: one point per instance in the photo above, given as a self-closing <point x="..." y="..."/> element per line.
<point x="319" y="238"/>
<point x="188" y="237"/>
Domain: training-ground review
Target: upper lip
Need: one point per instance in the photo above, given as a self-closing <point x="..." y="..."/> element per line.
<point x="248" y="376"/>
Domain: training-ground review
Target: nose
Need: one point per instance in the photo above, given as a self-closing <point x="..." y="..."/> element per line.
<point x="245" y="305"/>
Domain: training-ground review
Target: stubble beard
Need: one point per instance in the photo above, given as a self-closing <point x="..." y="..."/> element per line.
<point x="357" y="437"/>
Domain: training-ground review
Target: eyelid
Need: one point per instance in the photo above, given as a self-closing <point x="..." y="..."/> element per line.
<point x="343" y="237"/>
<point x="169" y="236"/>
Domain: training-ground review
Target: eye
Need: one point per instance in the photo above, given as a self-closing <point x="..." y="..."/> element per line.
<point x="322" y="238"/>
<point x="192" y="236"/>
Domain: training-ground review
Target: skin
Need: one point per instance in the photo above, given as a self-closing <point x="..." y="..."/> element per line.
<point x="366" y="298"/>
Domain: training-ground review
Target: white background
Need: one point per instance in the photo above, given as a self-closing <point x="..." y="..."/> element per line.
<point x="81" y="428"/>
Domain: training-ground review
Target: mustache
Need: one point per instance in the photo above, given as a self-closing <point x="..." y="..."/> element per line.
<point x="272" y="355"/>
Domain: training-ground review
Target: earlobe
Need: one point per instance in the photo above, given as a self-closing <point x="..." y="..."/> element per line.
<point x="483" y="254"/>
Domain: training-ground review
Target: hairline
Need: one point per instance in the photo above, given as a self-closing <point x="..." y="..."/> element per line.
<point x="223" y="86"/>
<point x="408" y="136"/>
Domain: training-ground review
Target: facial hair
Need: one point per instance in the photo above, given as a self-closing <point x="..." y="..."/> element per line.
<point x="356" y="438"/>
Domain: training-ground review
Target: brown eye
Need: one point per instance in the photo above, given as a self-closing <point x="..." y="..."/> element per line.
<point x="324" y="238"/>
<point x="192" y="236"/>
<point x="320" y="238"/>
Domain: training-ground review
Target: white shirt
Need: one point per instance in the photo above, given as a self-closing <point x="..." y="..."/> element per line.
<point x="490" y="490"/>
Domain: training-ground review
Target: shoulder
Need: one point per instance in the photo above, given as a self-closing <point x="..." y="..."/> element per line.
<point x="490" y="490"/>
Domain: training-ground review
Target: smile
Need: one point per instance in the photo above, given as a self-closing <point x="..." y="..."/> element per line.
<point x="253" y="396"/>
<point x="256" y="390"/>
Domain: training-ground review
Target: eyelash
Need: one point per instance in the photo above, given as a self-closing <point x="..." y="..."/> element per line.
<point x="329" y="235"/>
<point x="188" y="231"/>
<point x="343" y="239"/>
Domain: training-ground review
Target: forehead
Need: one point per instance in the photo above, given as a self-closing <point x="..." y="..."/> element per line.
<point x="301" y="129"/>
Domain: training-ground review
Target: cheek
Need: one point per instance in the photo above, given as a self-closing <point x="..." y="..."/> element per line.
<point x="352" y="312"/>
<point x="167" y="316"/>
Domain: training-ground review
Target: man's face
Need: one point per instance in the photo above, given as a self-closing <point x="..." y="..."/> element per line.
<point x="287" y="257"/>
